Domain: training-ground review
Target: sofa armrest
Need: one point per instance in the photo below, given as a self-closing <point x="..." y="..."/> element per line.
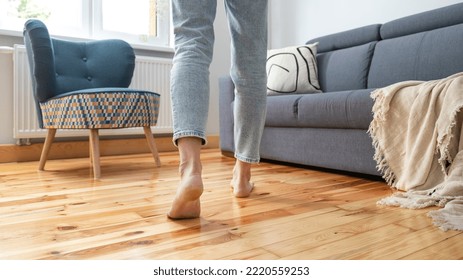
<point x="226" y="101"/>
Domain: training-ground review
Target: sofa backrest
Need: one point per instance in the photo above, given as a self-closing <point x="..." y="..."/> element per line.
<point x="424" y="46"/>
<point x="344" y="58"/>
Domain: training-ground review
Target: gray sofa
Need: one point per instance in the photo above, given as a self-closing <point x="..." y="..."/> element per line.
<point x="329" y="129"/>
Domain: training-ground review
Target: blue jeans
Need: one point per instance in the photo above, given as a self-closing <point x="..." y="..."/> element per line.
<point x="194" y="40"/>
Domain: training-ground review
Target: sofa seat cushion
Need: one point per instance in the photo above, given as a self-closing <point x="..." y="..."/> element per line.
<point x="342" y="109"/>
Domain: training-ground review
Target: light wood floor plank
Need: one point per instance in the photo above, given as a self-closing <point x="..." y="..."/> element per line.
<point x="293" y="213"/>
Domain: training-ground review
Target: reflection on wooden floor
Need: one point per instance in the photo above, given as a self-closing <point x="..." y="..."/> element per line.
<point x="293" y="213"/>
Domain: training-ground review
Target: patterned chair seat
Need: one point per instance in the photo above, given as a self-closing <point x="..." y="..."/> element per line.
<point x="101" y="109"/>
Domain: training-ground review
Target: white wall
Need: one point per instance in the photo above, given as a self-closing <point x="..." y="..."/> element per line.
<point x="296" y="21"/>
<point x="6" y="98"/>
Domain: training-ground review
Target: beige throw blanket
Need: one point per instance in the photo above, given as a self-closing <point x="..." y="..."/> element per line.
<point x="418" y="138"/>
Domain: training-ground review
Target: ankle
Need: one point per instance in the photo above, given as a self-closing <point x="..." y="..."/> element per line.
<point x="189" y="168"/>
<point x="190" y="161"/>
<point x="242" y="171"/>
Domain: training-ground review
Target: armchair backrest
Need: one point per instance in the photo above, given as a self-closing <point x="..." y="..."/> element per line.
<point x="41" y="60"/>
<point x="59" y="66"/>
<point x="95" y="64"/>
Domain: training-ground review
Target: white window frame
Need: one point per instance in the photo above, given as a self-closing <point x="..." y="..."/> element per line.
<point x="162" y="32"/>
<point x="92" y="28"/>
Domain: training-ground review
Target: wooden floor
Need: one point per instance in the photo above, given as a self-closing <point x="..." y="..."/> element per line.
<point x="294" y="213"/>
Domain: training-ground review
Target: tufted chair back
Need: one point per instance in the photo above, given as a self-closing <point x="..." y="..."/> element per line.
<point x="59" y="66"/>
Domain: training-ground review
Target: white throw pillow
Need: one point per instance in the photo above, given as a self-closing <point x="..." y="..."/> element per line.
<point x="292" y="70"/>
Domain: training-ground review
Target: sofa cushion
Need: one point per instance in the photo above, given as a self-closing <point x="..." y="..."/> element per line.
<point x="426" y="21"/>
<point x="347" y="39"/>
<point x="344" y="109"/>
<point x="426" y="55"/>
<point x="345" y="69"/>
<point x="292" y="70"/>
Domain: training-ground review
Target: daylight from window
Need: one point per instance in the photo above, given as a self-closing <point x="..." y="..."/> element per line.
<point x="128" y="16"/>
<point x="137" y="21"/>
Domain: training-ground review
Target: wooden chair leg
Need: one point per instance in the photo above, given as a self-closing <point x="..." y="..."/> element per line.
<point x="90" y="152"/>
<point x="95" y="152"/>
<point x="46" y="147"/>
<point x="152" y="145"/>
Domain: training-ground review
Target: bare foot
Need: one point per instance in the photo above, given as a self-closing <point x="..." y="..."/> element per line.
<point x="240" y="183"/>
<point x="242" y="189"/>
<point x="186" y="203"/>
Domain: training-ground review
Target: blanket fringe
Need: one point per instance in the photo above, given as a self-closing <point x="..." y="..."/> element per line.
<point x="409" y="201"/>
<point x="449" y="217"/>
<point x="382" y="165"/>
<point x="380" y="109"/>
<point x="443" y="142"/>
<point x="444" y="218"/>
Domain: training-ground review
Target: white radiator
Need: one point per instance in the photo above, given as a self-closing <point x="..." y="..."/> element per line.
<point x="152" y="74"/>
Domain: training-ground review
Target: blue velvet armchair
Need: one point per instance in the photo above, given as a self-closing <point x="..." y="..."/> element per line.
<point x="84" y="85"/>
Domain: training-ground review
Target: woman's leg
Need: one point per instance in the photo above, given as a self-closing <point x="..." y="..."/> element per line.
<point x="194" y="40"/>
<point x="248" y="27"/>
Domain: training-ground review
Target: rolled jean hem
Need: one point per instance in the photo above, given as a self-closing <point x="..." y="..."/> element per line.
<point x="246" y="159"/>
<point x="189" y="133"/>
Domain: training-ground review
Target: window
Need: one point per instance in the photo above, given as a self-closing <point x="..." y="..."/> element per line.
<point x="140" y="22"/>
